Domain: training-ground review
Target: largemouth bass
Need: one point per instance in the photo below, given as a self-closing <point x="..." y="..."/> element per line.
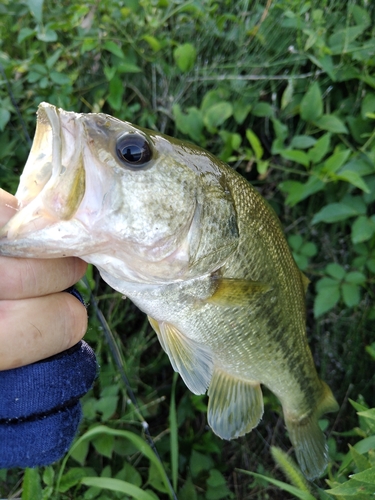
<point x="195" y="247"/>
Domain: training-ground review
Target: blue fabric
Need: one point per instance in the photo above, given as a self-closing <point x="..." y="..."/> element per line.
<point x="40" y="409"/>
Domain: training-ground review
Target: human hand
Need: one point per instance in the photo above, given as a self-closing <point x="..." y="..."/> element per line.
<point x="44" y="368"/>
<point x="37" y="319"/>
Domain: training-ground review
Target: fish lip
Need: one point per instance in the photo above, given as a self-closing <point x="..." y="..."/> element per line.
<point x="53" y="117"/>
<point x="35" y="192"/>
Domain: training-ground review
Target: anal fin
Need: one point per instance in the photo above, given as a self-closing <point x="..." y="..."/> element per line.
<point x="235" y="406"/>
<point x="192" y="360"/>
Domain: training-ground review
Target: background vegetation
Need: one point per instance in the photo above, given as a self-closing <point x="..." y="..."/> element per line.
<point x="282" y="90"/>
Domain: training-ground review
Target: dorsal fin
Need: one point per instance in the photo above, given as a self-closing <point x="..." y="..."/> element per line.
<point x="305" y="281"/>
<point x="232" y="292"/>
<point x="192" y="360"/>
<point x="235" y="406"/>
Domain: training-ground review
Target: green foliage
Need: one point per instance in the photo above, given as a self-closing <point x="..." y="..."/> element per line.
<point x="285" y="94"/>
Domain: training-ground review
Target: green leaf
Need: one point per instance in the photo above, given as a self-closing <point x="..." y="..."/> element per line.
<point x="111" y="484"/>
<point x="326" y="299"/>
<point x="59" y="78"/>
<point x="353" y="178"/>
<point x="48" y="475"/>
<point x="153" y="42"/>
<point x="355" y="278"/>
<point x="297" y="156"/>
<point x="332" y="124"/>
<point x="361" y="16"/>
<point x="4" y="118"/>
<point x="351" y="294"/>
<point x="361" y="447"/>
<point x="46" y="35"/>
<point x="336" y="271"/>
<point x="295" y="241"/>
<point x="302" y="495"/>
<point x="287" y="94"/>
<point x="302" y="142"/>
<point x="340" y="41"/>
<point x="80" y="451"/>
<point x="311" y="107"/>
<point x="366" y="476"/>
<point x="280" y="129"/>
<point x="352" y="488"/>
<point x="199" y="463"/>
<point x="36" y="9"/>
<point x="241" y="109"/>
<point x="360" y="461"/>
<point x="298" y="191"/>
<point x="72" y="478"/>
<point x="336" y="161"/>
<point x="129" y="473"/>
<point x="25" y="33"/>
<point x="116" y="91"/>
<point x="31" y="487"/>
<point x="255" y="144"/>
<point x="155" y="480"/>
<point x="362" y="229"/>
<point x="113" y="48"/>
<point x="335" y="212"/>
<point x="309" y="249"/>
<point x="359" y="165"/>
<point x="189" y="123"/>
<point x="216" y="486"/>
<point x="370" y="414"/>
<point x="185" y="56"/>
<point x="128" y="67"/>
<point x="263" y="109"/>
<point x="104" y="445"/>
<point x="187" y="492"/>
<point x="109" y="72"/>
<point x="320" y="149"/>
<point x="368" y="105"/>
<point x="217" y="114"/>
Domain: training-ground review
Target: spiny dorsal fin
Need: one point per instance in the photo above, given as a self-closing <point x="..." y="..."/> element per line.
<point x="193" y="361"/>
<point x="235" y="406"/>
<point x="305" y="281"/>
<point x="232" y="292"/>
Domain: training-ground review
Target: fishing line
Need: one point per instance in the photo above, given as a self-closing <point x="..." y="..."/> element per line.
<point x="116" y="354"/>
<point x="15" y="105"/>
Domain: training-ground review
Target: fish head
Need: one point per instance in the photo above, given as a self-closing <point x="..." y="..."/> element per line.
<point x="141" y="206"/>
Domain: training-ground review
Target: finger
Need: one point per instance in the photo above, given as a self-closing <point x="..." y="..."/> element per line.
<point x="8" y="206"/>
<point x="25" y="278"/>
<point x="36" y="328"/>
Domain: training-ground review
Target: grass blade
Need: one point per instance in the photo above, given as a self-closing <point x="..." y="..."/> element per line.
<point x="108" y="483"/>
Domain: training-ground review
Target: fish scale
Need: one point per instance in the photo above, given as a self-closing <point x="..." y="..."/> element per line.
<point x="196" y="248"/>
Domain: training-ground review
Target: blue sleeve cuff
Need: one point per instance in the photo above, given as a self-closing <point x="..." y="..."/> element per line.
<point x="40" y="409"/>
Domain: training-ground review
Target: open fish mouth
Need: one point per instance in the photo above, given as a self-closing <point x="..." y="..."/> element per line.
<point x="51" y="187"/>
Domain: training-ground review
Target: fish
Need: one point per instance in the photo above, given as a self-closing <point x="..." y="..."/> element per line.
<point x="194" y="246"/>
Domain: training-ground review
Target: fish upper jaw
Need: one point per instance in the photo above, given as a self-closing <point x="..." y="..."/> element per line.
<point x="50" y="192"/>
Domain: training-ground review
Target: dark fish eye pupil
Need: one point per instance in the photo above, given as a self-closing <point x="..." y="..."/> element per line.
<point x="133" y="150"/>
<point x="132" y="153"/>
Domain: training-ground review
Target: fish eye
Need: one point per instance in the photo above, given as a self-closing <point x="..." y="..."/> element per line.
<point x="133" y="150"/>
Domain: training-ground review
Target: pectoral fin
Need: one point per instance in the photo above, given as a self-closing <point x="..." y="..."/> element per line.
<point x="232" y="292"/>
<point x="235" y="406"/>
<point x="193" y="361"/>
